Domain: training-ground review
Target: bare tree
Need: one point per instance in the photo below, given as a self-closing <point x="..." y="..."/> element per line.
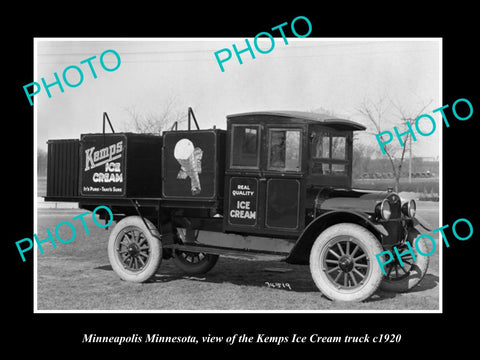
<point x="158" y="121"/>
<point x="386" y="113"/>
<point x="362" y="155"/>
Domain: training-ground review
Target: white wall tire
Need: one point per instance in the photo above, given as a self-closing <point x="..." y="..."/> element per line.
<point x="134" y="253"/>
<point x="343" y="263"/>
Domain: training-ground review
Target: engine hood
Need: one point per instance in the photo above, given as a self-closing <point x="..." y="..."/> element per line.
<point x="354" y="200"/>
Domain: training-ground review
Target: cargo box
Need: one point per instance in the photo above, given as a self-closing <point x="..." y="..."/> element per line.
<point x="104" y="165"/>
<point x="120" y="165"/>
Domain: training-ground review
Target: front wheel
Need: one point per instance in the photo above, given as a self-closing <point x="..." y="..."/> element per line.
<point x="403" y="277"/>
<point x="342" y="262"/>
<point x="135" y="251"/>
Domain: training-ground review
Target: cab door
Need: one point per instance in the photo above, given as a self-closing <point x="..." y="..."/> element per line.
<point x="282" y="175"/>
<point x="242" y="181"/>
<point x="264" y="187"/>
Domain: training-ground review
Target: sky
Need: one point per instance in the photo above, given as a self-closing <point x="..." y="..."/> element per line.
<point x="308" y="74"/>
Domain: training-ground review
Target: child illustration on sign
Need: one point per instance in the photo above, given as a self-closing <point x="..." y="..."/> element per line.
<point x="190" y="160"/>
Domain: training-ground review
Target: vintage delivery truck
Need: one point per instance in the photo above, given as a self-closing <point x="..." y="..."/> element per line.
<point x="272" y="183"/>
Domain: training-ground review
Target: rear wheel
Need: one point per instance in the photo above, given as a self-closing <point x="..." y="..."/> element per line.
<point x="194" y="263"/>
<point x="342" y="262"/>
<point x="135" y="251"/>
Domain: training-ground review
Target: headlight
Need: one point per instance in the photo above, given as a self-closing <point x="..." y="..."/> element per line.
<point x="385" y="211"/>
<point x="409" y="208"/>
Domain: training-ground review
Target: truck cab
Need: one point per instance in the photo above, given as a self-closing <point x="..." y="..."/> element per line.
<point x="276" y="161"/>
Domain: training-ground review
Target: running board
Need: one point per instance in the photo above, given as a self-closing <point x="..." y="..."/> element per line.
<point x="228" y="252"/>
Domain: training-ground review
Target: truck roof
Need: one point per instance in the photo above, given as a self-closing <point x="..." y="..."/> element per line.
<point x="302" y="116"/>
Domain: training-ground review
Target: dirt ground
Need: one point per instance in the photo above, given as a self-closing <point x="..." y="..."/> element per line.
<point x="78" y="276"/>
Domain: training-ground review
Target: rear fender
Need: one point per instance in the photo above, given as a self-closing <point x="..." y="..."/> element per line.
<point x="301" y="250"/>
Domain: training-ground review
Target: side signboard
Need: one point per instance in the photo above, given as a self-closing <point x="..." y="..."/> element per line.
<point x="242" y="209"/>
<point x="103" y="165"/>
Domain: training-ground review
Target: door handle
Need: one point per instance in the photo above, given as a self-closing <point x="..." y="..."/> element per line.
<point x="262" y="179"/>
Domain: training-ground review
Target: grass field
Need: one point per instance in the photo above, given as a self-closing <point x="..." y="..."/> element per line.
<point x="417" y="184"/>
<point x="424" y="188"/>
<point x="78" y="276"/>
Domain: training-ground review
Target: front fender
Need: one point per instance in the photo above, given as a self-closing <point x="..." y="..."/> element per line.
<point x="301" y="250"/>
<point x="421" y="225"/>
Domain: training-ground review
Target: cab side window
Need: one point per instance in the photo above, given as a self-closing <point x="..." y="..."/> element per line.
<point x="321" y="146"/>
<point x="284" y="150"/>
<point x="338" y="147"/>
<point x="329" y="152"/>
<point x="245" y="146"/>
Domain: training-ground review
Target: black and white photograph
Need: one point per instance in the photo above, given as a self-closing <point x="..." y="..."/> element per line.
<point x="279" y="180"/>
<point x="227" y="188"/>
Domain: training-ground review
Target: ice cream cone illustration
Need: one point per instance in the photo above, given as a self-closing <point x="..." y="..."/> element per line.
<point x="190" y="160"/>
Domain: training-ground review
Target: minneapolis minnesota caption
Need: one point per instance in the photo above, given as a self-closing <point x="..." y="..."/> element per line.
<point x="243" y="339"/>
